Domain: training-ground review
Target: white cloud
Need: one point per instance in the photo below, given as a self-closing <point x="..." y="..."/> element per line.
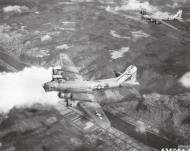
<point x="61" y="47"/>
<point x="115" y="54"/>
<point x="46" y="38"/>
<point x="139" y="34"/>
<point x="185" y="80"/>
<point x="116" y="35"/>
<point x="15" y="9"/>
<point x="136" y="5"/>
<point x="25" y="88"/>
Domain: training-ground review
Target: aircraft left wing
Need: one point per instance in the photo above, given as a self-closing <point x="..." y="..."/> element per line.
<point x="89" y="105"/>
<point x="94" y="110"/>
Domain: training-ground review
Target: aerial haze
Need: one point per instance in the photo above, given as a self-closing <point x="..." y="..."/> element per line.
<point x="100" y="37"/>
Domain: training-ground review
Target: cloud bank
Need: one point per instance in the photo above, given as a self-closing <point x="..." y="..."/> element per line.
<point x="185" y="80"/>
<point x="24" y="88"/>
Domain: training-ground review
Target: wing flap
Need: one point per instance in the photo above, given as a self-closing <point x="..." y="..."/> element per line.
<point x="83" y="97"/>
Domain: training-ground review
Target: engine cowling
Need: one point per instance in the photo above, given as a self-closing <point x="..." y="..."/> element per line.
<point x="57" y="74"/>
<point x="57" y="71"/>
<point x="65" y="95"/>
<point x="54" y="76"/>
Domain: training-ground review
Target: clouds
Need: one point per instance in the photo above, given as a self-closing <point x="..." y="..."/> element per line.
<point x="137" y="5"/>
<point x="115" y="54"/>
<point x="15" y="9"/>
<point x="185" y="80"/>
<point x="25" y="88"/>
<point x="139" y="34"/>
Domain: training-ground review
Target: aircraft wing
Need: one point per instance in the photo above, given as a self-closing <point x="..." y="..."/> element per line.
<point x="87" y="101"/>
<point x="160" y="20"/>
<point x="181" y="20"/>
<point x="68" y="70"/>
<point x="169" y="25"/>
<point x="94" y="110"/>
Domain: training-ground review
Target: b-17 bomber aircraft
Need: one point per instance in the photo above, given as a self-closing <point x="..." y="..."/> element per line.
<point x="72" y="87"/>
<point x="160" y="19"/>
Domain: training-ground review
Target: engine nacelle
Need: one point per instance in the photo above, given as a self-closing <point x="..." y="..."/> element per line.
<point x="65" y="95"/>
<point x="57" y="76"/>
<point x="57" y="71"/>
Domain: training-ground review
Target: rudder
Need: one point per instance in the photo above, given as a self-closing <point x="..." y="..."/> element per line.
<point x="130" y="72"/>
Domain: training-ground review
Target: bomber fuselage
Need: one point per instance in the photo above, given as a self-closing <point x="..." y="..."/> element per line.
<point x="81" y="86"/>
<point x="86" y="86"/>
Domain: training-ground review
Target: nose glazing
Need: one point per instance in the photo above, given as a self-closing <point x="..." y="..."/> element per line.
<point x="45" y="86"/>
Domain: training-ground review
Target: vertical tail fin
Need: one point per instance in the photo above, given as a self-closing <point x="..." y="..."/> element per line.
<point x="129" y="74"/>
<point x="178" y="15"/>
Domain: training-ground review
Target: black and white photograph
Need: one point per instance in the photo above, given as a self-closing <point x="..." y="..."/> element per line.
<point x="94" y="75"/>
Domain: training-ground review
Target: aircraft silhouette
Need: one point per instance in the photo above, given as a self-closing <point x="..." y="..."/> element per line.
<point x="161" y="19"/>
<point x="70" y="86"/>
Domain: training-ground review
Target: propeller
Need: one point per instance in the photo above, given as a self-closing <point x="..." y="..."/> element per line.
<point x="55" y="73"/>
<point x="52" y="74"/>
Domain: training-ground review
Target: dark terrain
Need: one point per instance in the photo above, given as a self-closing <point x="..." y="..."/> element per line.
<point x="38" y="35"/>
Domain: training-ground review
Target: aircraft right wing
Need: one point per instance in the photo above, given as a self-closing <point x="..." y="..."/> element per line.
<point x="67" y="70"/>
